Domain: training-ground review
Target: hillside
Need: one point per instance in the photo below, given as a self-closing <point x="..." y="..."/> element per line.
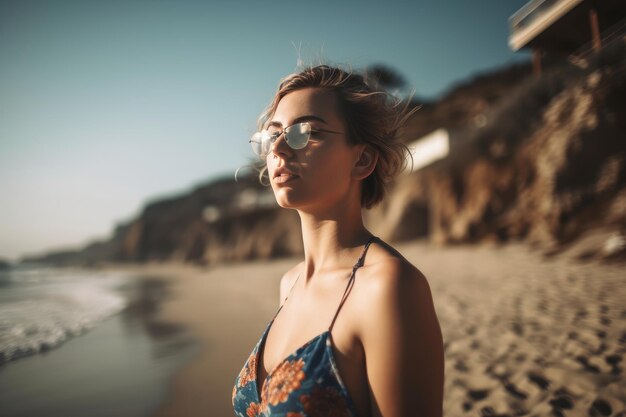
<point x="539" y="159"/>
<point x="548" y="167"/>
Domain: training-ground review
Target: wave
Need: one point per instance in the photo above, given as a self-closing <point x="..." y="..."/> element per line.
<point x="45" y="314"/>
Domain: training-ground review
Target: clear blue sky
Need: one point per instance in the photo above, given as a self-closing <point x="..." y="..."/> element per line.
<point x="105" y="105"/>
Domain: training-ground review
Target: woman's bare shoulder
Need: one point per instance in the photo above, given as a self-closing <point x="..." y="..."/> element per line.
<point x="384" y="265"/>
<point x="388" y="281"/>
<point x="398" y="328"/>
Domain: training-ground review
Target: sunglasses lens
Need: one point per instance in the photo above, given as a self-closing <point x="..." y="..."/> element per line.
<point x="298" y="135"/>
<point x="257" y="144"/>
<point x="267" y="138"/>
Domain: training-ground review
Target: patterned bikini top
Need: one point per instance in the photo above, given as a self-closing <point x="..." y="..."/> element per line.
<point x="304" y="384"/>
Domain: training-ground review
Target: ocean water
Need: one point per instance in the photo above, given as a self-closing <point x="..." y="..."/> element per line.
<point x="78" y="342"/>
<point x="40" y="308"/>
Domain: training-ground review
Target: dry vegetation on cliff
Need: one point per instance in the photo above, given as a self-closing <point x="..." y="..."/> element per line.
<point x="548" y="166"/>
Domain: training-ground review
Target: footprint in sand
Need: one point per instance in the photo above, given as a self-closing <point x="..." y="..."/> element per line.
<point x="517" y="328"/>
<point x="514" y="391"/>
<point x="516" y="410"/>
<point x="487" y="412"/>
<point x="584" y="361"/>
<point x="461" y="366"/>
<point x="599" y="408"/>
<point x="614" y="360"/>
<point x="477" y="394"/>
<point x="539" y="380"/>
<point x="562" y="402"/>
<point x="582" y="313"/>
<point x="605" y="321"/>
<point x="467" y="405"/>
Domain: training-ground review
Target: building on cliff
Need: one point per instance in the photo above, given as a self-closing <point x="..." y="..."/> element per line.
<point x="556" y="29"/>
<point x="428" y="149"/>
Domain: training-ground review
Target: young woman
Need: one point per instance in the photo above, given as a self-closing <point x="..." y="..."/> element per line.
<point x="329" y="145"/>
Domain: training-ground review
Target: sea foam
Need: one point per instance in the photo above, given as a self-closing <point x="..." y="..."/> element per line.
<point x="39" y="311"/>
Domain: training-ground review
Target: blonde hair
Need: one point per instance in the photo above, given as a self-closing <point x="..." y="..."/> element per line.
<point x="372" y="117"/>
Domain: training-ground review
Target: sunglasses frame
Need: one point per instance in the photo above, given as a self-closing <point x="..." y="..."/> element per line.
<point x="274" y="138"/>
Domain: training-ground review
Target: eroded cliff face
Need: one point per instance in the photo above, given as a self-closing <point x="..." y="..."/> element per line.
<point x="540" y="159"/>
<point x="549" y="182"/>
<point x="225" y="220"/>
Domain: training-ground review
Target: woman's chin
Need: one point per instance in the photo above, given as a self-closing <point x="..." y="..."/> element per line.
<point x="287" y="203"/>
<point x="287" y="199"/>
<point x="298" y="199"/>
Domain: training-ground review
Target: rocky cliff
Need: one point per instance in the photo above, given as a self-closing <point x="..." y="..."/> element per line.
<point x="548" y="166"/>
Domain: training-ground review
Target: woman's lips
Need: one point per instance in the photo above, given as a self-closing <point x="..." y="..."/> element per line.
<point x="283" y="178"/>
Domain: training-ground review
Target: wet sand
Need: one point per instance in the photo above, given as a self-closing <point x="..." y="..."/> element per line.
<point x="121" y="367"/>
<point x="524" y="334"/>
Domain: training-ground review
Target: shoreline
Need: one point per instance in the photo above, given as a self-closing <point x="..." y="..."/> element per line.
<point x="122" y="366"/>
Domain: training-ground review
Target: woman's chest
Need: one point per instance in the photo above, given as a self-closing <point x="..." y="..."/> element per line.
<point x="326" y="335"/>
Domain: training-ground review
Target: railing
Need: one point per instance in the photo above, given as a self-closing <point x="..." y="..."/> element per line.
<point x="608" y="37"/>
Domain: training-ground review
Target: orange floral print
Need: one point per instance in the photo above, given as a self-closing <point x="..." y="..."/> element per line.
<point x="263" y="403"/>
<point x="295" y="415"/>
<point x="253" y="410"/>
<point x="285" y="379"/>
<point x="248" y="373"/>
<point x="234" y="393"/>
<point x="325" y="401"/>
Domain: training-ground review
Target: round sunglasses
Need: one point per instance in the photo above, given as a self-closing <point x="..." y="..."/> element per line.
<point x="297" y="136"/>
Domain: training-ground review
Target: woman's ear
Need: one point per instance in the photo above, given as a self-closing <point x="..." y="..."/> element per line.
<point x="365" y="163"/>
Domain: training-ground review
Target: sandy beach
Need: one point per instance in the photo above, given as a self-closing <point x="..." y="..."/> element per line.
<point x="524" y="334"/>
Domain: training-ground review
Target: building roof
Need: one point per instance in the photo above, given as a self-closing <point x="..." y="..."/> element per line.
<point x="561" y="25"/>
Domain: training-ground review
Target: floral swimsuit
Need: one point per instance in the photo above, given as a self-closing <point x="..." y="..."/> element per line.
<point x="304" y="384"/>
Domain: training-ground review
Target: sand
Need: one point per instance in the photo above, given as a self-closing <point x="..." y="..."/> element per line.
<point x="524" y="334"/>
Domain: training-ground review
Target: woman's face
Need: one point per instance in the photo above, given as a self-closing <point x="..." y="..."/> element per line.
<point x="317" y="176"/>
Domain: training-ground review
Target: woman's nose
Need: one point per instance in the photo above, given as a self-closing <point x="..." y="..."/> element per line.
<point x="280" y="146"/>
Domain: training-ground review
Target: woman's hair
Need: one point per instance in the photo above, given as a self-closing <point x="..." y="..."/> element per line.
<point x="372" y="117"/>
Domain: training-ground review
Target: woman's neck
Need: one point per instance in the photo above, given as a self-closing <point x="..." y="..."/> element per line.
<point x="331" y="240"/>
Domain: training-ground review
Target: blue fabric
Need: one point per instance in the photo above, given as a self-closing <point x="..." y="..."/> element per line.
<point x="305" y="384"/>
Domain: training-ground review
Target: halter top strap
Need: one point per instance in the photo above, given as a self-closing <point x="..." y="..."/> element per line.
<point x="357" y="265"/>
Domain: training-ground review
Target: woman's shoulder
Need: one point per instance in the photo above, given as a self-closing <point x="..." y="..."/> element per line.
<point x="397" y="327"/>
<point x="384" y="265"/>
<point x="392" y="292"/>
<point x="388" y="281"/>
